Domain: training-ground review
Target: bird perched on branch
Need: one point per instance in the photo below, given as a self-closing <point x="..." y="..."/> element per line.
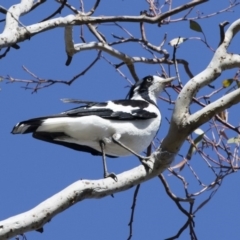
<point x="113" y="128"/>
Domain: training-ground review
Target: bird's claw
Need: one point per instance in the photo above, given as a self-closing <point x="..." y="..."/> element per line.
<point x="146" y="162"/>
<point x="112" y="175"/>
<point x="144" y="159"/>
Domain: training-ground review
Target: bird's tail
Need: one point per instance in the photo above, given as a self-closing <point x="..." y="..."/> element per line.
<point x="28" y="126"/>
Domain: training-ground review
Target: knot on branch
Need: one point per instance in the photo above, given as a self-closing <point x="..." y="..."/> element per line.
<point x="163" y="158"/>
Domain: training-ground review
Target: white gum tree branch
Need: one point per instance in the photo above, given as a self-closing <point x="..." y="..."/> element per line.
<point x="11" y="33"/>
<point x="182" y="123"/>
<point x="37" y="217"/>
<point x="14" y="33"/>
<point x="72" y="49"/>
<point x="205" y="114"/>
<point x="221" y="61"/>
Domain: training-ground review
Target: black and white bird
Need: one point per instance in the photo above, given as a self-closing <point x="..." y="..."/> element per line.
<point x="113" y="128"/>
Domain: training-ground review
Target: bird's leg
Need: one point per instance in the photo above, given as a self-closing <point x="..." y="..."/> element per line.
<point x="141" y="158"/>
<point x="106" y="173"/>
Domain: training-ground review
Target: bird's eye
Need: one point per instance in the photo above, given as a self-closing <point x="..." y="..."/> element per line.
<point x="149" y="79"/>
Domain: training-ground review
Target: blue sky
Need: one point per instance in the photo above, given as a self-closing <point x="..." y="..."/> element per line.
<point x="32" y="171"/>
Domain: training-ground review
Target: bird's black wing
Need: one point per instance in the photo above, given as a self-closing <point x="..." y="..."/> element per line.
<point x="109" y="110"/>
<point x="135" y="110"/>
<point x="105" y="110"/>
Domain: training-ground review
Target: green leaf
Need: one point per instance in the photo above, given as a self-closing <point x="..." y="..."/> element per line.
<point x="196" y="142"/>
<point x="227" y="82"/>
<point x="177" y="41"/>
<point x="195" y="26"/>
<point x="234" y="140"/>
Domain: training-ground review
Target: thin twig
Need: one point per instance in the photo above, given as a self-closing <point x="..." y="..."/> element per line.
<point x="130" y="224"/>
<point x="58" y="11"/>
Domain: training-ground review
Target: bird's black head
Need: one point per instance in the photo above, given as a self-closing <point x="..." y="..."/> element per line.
<point x="148" y="88"/>
<point x="141" y="86"/>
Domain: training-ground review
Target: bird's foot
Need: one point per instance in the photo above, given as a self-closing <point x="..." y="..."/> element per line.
<point x="112" y="175"/>
<point x="144" y="158"/>
<point x="146" y="162"/>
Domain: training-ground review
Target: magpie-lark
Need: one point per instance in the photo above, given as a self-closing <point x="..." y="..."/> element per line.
<point x="112" y="128"/>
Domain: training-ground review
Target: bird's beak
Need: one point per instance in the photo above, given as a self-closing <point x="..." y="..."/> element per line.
<point x="169" y="80"/>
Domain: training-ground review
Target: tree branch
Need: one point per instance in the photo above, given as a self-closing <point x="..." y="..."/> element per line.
<point x="220" y="61"/>
<point x="74" y="48"/>
<point x="13" y="34"/>
<point x="181" y="125"/>
<point x="84" y="189"/>
<point x="212" y="109"/>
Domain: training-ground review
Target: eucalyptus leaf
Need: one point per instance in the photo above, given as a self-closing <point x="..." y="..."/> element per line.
<point x="227" y="82"/>
<point x="234" y="140"/>
<point x="195" y="26"/>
